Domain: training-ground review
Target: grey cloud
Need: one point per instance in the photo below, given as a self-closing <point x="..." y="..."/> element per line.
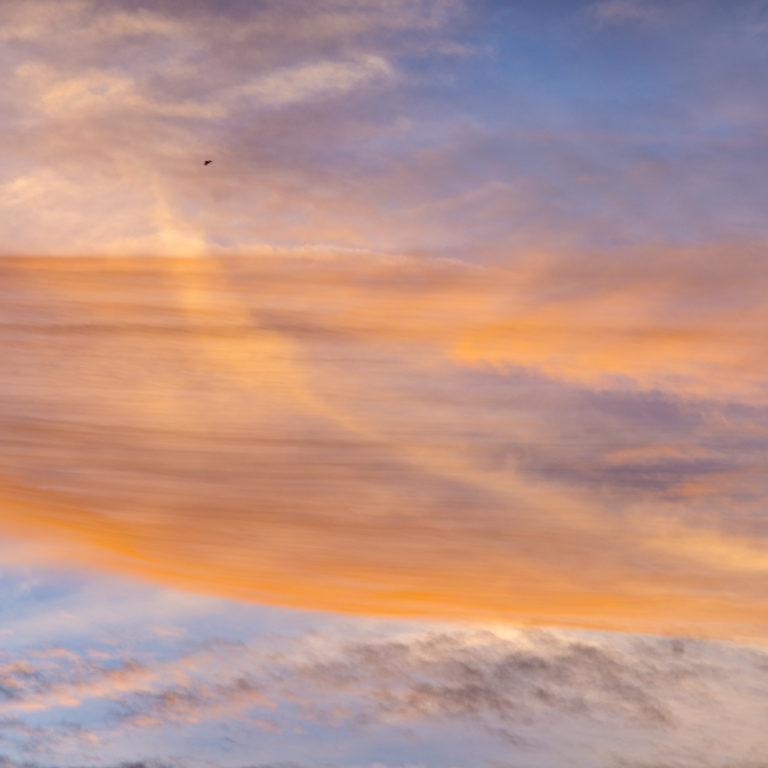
<point x="506" y="691"/>
<point x="9" y="763"/>
<point x="43" y="740"/>
<point x="496" y="684"/>
<point x="190" y="703"/>
<point x="467" y="678"/>
<point x="705" y="763"/>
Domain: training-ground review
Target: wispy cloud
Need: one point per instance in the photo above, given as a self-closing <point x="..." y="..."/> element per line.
<point x="524" y="694"/>
<point x="104" y="141"/>
<point x="316" y="81"/>
<point x="627" y="10"/>
<point x="320" y="407"/>
<point x="354" y="123"/>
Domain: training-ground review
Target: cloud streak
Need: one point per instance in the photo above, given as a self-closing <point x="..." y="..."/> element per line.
<point x="300" y="431"/>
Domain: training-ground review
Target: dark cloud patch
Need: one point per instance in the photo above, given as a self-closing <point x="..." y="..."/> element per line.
<point x="496" y="684"/>
<point x="52" y="671"/>
<point x="190" y="703"/>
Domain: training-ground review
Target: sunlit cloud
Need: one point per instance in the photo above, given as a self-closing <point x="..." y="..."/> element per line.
<point x="407" y="345"/>
<point x="298" y="430"/>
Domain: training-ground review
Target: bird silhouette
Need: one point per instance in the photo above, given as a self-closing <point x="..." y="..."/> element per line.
<point x="207" y="162"/>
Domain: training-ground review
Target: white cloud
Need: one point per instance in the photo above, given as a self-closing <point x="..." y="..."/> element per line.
<point x="318" y="80"/>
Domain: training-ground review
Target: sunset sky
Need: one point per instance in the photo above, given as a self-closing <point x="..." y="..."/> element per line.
<point x="426" y="427"/>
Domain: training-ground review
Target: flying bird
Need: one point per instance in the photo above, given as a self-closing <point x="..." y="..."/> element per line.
<point x="207" y="162"/>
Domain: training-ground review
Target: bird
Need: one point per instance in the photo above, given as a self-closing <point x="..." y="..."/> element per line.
<point x="207" y="162"/>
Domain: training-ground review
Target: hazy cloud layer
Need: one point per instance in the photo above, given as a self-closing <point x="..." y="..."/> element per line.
<point x="111" y="110"/>
<point x="398" y="125"/>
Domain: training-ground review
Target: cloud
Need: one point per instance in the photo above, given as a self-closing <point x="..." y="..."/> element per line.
<point x="7" y="763"/>
<point x="626" y="10"/>
<point x="428" y="358"/>
<point x="485" y="679"/>
<point x="528" y="695"/>
<point x="316" y="81"/>
<point x="109" y="138"/>
<point x="354" y="124"/>
<point x="320" y="407"/>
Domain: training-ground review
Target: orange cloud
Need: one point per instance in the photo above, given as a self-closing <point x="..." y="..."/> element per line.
<point x="315" y="432"/>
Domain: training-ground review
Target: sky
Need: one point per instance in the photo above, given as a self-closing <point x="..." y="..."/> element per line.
<point x="426" y="426"/>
